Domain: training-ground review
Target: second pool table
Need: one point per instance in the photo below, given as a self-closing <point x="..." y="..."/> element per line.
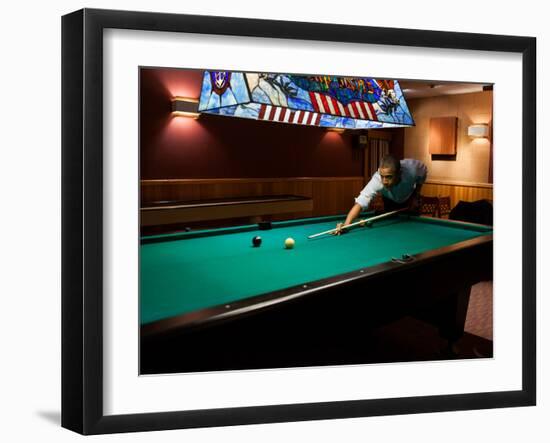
<point x="210" y="300"/>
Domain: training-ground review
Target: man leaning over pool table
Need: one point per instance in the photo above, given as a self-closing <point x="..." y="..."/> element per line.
<point x="399" y="183"/>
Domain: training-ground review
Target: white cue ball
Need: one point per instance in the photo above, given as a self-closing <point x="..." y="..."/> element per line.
<point x="289" y="243"/>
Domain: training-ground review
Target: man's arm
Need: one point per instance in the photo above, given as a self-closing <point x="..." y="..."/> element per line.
<point x="362" y="201"/>
<point x="352" y="215"/>
<point x="415" y="199"/>
<point x="421" y="175"/>
<point x="416" y="196"/>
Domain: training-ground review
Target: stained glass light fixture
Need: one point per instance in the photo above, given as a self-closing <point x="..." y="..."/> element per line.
<point x="324" y="101"/>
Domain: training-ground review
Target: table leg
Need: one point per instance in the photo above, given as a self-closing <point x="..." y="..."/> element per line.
<point x="453" y="317"/>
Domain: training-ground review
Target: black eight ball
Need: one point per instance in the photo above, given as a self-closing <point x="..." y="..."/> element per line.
<point x="257" y="241"/>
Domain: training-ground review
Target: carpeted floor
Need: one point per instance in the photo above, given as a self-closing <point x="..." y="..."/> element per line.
<point x="479" y="320"/>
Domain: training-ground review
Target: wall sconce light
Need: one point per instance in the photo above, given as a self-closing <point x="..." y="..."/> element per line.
<point x="186" y="107"/>
<point x="337" y="130"/>
<point x="480" y="130"/>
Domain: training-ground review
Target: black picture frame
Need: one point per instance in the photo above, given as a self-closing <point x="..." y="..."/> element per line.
<point x="82" y="218"/>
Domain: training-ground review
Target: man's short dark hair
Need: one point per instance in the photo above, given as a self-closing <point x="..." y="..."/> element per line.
<point x="389" y="161"/>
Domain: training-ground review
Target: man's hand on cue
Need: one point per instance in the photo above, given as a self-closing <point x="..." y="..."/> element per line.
<point x="340" y="229"/>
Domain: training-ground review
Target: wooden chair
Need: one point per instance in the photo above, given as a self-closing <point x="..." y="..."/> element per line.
<point x="444" y="206"/>
<point x="429" y="206"/>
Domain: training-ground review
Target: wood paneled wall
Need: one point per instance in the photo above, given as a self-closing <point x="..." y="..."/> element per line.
<point x="473" y="156"/>
<point x="330" y="195"/>
<point x="458" y="191"/>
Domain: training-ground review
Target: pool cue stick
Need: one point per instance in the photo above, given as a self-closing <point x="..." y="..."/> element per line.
<point x="376" y="217"/>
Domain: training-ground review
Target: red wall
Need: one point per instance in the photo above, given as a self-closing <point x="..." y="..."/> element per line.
<point x="222" y="147"/>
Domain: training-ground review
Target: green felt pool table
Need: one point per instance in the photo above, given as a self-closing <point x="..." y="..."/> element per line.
<point x="209" y="290"/>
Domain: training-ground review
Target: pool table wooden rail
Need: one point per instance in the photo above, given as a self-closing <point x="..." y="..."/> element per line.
<point x="166" y="213"/>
